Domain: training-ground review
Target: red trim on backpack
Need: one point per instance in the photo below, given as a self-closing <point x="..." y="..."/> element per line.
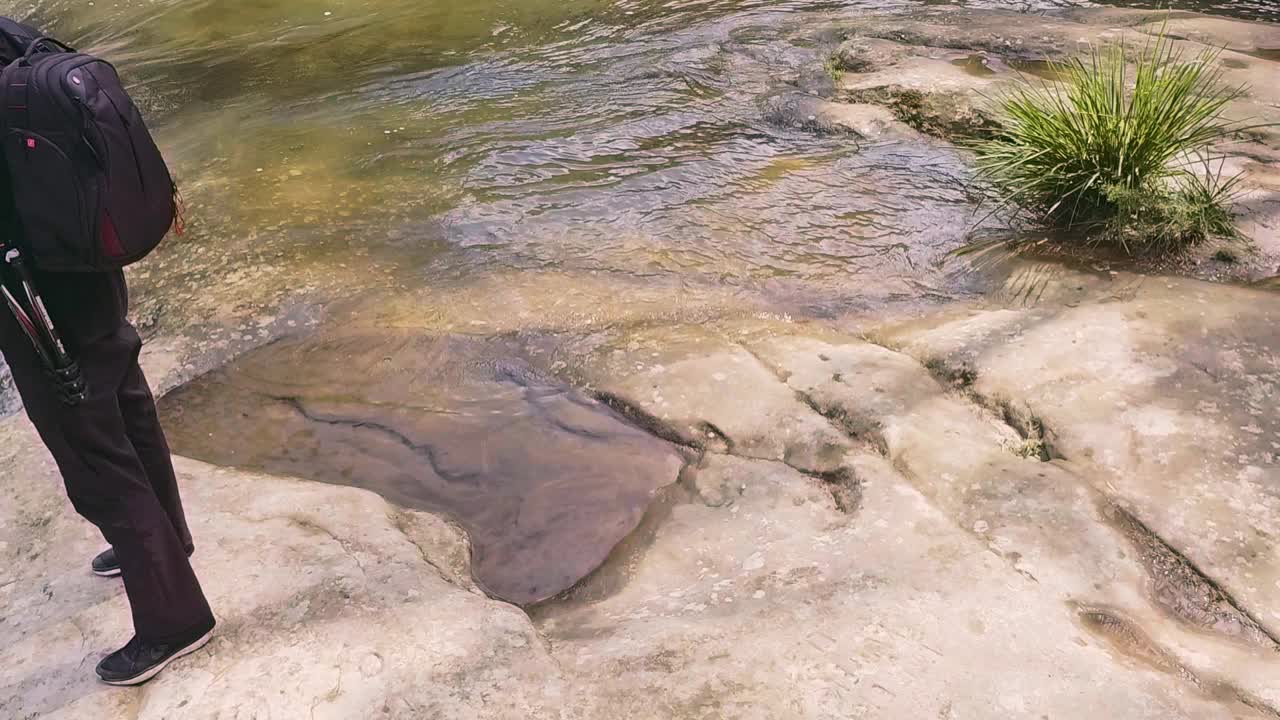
<point x="110" y="240"/>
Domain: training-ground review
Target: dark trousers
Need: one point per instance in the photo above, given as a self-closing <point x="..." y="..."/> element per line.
<point x="111" y="449"/>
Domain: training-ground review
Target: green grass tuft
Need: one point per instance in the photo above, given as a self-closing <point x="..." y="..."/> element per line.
<point x="835" y="69"/>
<point x="1119" y="153"/>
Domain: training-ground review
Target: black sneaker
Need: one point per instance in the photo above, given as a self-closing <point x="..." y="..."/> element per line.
<point x="138" y="662"/>
<point x="106" y="565"/>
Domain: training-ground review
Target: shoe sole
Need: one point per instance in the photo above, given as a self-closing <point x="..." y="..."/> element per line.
<point x="138" y="680"/>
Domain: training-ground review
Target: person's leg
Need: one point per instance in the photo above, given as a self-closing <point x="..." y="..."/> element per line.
<point x="108" y="485"/>
<point x="142" y="425"/>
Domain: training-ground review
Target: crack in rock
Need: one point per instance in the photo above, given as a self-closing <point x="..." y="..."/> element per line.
<point x="963" y="377"/>
<point x="1029" y="426"/>
<point x="868" y="431"/>
<point x="1182" y="589"/>
<point x="424" y="451"/>
<point x="399" y="519"/>
<point x="311" y="527"/>
<point x="647" y="421"/>
<point x="1178" y="586"/>
<point x="717" y="436"/>
<point x="840" y="419"/>
<point x="1125" y="636"/>
<point x="841" y="482"/>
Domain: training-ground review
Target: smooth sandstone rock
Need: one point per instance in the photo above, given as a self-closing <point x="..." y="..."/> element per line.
<point x="923" y="566"/>
<point x="331" y="602"/>
<point x="779" y="605"/>
<point x="1165" y="385"/>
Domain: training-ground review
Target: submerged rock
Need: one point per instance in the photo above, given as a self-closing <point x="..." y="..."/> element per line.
<point x="860" y="55"/>
<point x="950" y="115"/>
<point x="865" y="120"/>
<point x="544" y="479"/>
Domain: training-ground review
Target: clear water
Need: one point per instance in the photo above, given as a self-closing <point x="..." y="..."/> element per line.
<point x="339" y="144"/>
<point x="351" y="143"/>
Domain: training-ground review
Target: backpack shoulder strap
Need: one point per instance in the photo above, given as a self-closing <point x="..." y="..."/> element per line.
<point x="17" y="36"/>
<point x="15" y="39"/>
<point x="15" y="90"/>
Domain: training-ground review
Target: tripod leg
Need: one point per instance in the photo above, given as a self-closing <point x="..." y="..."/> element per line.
<point x="64" y="371"/>
<point x="28" y="327"/>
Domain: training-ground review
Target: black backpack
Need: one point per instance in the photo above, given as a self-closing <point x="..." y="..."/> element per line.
<point x="90" y="190"/>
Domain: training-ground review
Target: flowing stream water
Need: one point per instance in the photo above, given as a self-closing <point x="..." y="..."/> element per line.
<point x="349" y="140"/>
<point x="439" y="140"/>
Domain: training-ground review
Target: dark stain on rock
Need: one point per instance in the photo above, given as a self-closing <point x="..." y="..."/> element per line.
<point x="544" y="480"/>
<point x="958" y="375"/>
<point x="845" y="487"/>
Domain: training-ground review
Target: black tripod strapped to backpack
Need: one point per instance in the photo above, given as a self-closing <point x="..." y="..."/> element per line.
<point x="36" y="323"/>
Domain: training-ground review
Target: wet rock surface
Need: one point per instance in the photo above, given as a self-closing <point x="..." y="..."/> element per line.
<point x="544" y="479"/>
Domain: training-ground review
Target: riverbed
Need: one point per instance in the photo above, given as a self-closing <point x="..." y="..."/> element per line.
<point x="332" y="148"/>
